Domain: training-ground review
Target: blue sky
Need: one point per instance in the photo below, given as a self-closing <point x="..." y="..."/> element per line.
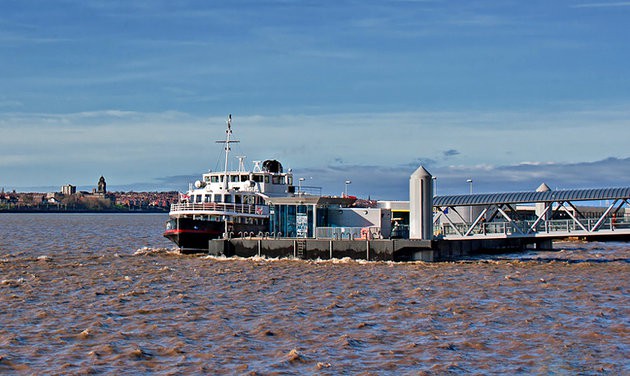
<point x="508" y="93"/>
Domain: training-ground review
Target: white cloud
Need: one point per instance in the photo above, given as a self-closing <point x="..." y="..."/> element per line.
<point x="10" y="103"/>
<point x="134" y="146"/>
<point x="15" y="38"/>
<point x="603" y="5"/>
<point x="392" y="182"/>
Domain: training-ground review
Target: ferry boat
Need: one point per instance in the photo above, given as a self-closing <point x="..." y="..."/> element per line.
<point x="227" y="203"/>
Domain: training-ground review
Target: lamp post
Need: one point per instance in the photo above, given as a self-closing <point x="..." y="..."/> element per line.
<point x="348" y="182"/>
<point x="300" y="180"/>
<point x="434" y="186"/>
<point x="470" y="181"/>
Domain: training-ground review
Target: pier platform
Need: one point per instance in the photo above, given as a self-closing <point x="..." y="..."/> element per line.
<point x="324" y="249"/>
<point x="370" y="250"/>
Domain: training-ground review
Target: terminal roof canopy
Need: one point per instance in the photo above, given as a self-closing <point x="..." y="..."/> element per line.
<point x="533" y="197"/>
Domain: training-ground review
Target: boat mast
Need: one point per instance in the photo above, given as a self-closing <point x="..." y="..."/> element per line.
<point x="227" y="142"/>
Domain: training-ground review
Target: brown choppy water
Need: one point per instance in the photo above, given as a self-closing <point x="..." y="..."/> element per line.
<point x="105" y="294"/>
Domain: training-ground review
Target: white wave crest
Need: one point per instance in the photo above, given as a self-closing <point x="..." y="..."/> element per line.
<point x="150" y="251"/>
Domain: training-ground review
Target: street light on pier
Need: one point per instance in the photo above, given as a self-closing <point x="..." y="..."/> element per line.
<point x="348" y="182"/>
<point x="470" y="181"/>
<point x="434" y="186"/>
<point x="300" y="180"/>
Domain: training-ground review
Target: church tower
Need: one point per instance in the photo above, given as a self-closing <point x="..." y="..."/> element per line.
<point x="102" y="186"/>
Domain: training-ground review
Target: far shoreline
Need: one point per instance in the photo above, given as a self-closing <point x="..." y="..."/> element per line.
<point x="82" y="211"/>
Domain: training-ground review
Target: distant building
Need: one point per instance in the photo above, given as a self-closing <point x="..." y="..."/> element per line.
<point x="68" y="189"/>
<point x="102" y="186"/>
<point x="101" y="191"/>
<point x="52" y="198"/>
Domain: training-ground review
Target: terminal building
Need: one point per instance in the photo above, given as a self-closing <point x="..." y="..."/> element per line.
<point x="326" y="217"/>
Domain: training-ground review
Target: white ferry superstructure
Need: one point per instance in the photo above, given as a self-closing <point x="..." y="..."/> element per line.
<point x="227" y="203"/>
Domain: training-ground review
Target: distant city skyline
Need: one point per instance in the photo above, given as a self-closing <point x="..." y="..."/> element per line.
<point x="509" y="94"/>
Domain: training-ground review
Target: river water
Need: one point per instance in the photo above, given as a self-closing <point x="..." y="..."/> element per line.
<point x="106" y="294"/>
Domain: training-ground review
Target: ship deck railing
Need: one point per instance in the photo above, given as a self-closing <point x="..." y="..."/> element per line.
<point x="219" y="208"/>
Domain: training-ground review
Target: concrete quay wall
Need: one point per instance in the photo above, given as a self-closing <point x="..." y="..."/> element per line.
<point x="452" y="250"/>
<point x="371" y="250"/>
<point x="312" y="249"/>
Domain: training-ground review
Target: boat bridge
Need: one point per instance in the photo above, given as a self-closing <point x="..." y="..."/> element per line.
<point x="496" y="216"/>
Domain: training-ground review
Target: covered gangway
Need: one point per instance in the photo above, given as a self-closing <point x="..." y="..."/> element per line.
<point x="498" y="217"/>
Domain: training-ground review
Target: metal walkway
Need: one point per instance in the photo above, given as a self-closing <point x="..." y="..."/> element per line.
<point x="496" y="215"/>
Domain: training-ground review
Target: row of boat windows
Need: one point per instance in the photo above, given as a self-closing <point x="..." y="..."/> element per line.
<point x="274" y="179"/>
<point x="217" y="218"/>
<point x="228" y="199"/>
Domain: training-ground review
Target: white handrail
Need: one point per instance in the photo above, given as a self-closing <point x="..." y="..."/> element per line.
<point x="218" y="207"/>
<point x="585" y="226"/>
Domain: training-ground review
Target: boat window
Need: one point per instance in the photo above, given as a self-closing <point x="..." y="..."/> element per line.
<point x="217" y="198"/>
<point x="258" y="178"/>
<point x="206" y="179"/>
<point x="244" y="178"/>
<point x="197" y="198"/>
<point x="290" y="180"/>
<point x="275" y="179"/>
<point x="234" y="178"/>
<point x="228" y="198"/>
<point x="237" y="199"/>
<point x="267" y="179"/>
<point x="214" y="179"/>
<point x="206" y="198"/>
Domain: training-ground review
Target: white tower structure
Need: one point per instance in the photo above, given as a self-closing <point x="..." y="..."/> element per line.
<point x="421" y="205"/>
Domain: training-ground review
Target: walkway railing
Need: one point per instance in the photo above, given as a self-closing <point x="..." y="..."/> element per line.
<point x="532" y="228"/>
<point x="349" y="233"/>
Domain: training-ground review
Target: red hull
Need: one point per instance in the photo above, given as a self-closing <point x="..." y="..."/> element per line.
<point x="192" y="236"/>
